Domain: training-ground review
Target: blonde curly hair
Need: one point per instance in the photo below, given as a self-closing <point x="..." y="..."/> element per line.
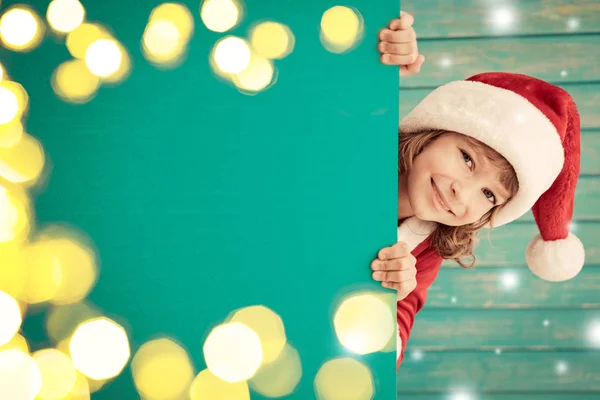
<point x="454" y="242"/>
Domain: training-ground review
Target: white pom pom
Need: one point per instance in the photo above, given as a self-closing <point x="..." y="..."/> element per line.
<point x="556" y="260"/>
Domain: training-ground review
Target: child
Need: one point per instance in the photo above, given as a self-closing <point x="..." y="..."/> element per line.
<point x="478" y="153"/>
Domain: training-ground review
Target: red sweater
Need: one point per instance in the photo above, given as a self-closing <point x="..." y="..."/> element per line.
<point x="428" y="266"/>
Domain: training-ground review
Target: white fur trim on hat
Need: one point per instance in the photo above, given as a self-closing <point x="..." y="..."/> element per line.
<point x="413" y="231"/>
<point x="556" y="260"/>
<point x="512" y="126"/>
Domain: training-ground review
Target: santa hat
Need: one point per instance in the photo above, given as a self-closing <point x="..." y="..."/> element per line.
<point x="535" y="126"/>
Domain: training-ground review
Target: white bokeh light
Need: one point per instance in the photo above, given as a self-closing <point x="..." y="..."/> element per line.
<point x="417" y="355"/>
<point x="573" y="23"/>
<point x="498" y="351"/>
<point x="546" y="322"/>
<point x="592" y="333"/>
<point x="561" y="367"/>
<point x="453" y="300"/>
<point x="510" y="280"/>
<point x="564" y="73"/>
<point x="461" y="394"/>
<point x="446" y="62"/>
<point x="503" y="17"/>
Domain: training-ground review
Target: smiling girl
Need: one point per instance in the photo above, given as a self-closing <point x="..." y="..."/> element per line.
<point x="478" y="153"/>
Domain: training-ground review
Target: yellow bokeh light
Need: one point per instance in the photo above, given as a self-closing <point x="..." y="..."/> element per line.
<point x="99" y="348"/>
<point x="341" y="28"/>
<point x="280" y="377"/>
<point x="389" y="299"/>
<point x="220" y="15"/>
<point x="10" y="133"/>
<point x="23" y="162"/>
<point x="344" y="379"/>
<point x="18" y="342"/>
<point x="63" y="320"/>
<point x="9" y="105"/>
<point x="207" y="386"/>
<point x="81" y="38"/>
<point x="12" y="273"/>
<point x="162" y="370"/>
<point x="257" y="76"/>
<point x="1" y="72"/>
<point x="272" y="40"/>
<point x="231" y="54"/>
<point x="58" y="374"/>
<point x="21" y="95"/>
<point x="124" y="68"/>
<point x="103" y="57"/>
<point x="179" y="15"/>
<point x="267" y="325"/>
<point x="233" y="352"/>
<point x="81" y="389"/>
<point x="15" y="215"/>
<point x="20" y="377"/>
<point x="65" y="15"/>
<point x="72" y="81"/>
<point x="364" y="324"/>
<point x="21" y="29"/>
<point x="10" y="315"/>
<point x="43" y="273"/>
<point x="162" y="41"/>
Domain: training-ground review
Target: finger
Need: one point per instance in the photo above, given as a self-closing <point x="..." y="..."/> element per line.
<point x="394" y="276"/>
<point x="405" y="21"/>
<point x="405" y="36"/>
<point x="398" y="250"/>
<point x="416" y="66"/>
<point x="402" y="49"/>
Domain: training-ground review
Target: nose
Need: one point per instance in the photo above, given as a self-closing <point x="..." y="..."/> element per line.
<point x="461" y="192"/>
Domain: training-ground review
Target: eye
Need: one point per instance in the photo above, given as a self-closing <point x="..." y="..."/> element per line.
<point x="467" y="158"/>
<point x="488" y="193"/>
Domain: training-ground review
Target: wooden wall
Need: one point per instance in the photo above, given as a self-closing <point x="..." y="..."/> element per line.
<point x="497" y="332"/>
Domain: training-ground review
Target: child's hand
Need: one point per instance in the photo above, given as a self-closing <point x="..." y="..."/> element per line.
<point x="396" y="268"/>
<point x="398" y="45"/>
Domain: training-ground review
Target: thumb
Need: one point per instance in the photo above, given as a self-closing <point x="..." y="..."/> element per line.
<point x="416" y="66"/>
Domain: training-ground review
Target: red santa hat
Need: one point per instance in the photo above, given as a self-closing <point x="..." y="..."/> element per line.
<point x="535" y="126"/>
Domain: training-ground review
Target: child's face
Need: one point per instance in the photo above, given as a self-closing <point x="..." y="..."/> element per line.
<point x="468" y="183"/>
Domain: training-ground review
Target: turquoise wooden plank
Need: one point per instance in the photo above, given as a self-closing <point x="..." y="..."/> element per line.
<point x="486" y="371"/>
<point x="506" y="244"/>
<point x="455" y="18"/>
<point x="468" y="395"/>
<point x="587" y="97"/>
<point x="590" y="152"/>
<point x="460" y="329"/>
<point x="587" y="196"/>
<point x="491" y="288"/>
<point x="536" y="56"/>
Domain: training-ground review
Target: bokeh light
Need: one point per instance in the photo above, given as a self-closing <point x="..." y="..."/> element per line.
<point x="344" y="379"/>
<point x="16" y="219"/>
<point x="267" y="325"/>
<point x="72" y="81"/>
<point x="9" y="106"/>
<point x="231" y="54"/>
<point x="57" y="372"/>
<point x="42" y="272"/>
<point x="62" y="321"/>
<point x="280" y="377"/>
<point x="21" y="29"/>
<point x="83" y="36"/>
<point x="272" y="40"/>
<point x="11" y="132"/>
<point x="162" y="370"/>
<point x="233" y="352"/>
<point x="221" y="15"/>
<point x="20" y="93"/>
<point x="20" y="377"/>
<point x="17" y="342"/>
<point x="65" y="15"/>
<point x="10" y="315"/>
<point x="103" y="57"/>
<point x="257" y="76"/>
<point x="341" y="29"/>
<point x="207" y="386"/>
<point x="364" y="324"/>
<point x="99" y="348"/>
<point x="178" y="14"/>
<point x="24" y="162"/>
<point x="502" y="18"/>
<point x="2" y="73"/>
<point x="593" y="333"/>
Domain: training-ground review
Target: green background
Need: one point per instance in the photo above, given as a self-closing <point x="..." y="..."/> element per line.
<point x="201" y="200"/>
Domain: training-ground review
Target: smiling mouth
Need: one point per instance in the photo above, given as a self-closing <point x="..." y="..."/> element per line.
<point x="438" y="198"/>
